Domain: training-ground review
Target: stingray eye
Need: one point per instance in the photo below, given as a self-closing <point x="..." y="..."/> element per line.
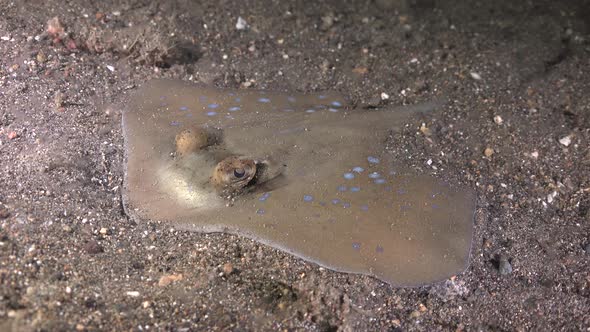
<point x="233" y="173"/>
<point x="239" y="172"/>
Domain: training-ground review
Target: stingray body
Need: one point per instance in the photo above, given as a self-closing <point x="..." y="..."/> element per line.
<point x="329" y="191"/>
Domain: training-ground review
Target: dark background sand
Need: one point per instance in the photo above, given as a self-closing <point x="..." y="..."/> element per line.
<point x="71" y="260"/>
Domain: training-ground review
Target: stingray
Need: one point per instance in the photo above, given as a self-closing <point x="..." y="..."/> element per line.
<point x="304" y="173"/>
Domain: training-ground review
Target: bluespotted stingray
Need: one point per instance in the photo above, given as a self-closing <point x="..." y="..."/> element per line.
<point x="304" y="173"/>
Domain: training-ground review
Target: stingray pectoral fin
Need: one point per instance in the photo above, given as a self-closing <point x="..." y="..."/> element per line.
<point x="392" y="116"/>
<point x="271" y="184"/>
<point x="331" y="192"/>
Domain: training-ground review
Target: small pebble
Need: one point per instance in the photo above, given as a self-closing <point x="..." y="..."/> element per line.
<point x="166" y="280"/>
<point x="566" y="141"/>
<point x="384" y="96"/>
<point x="449" y="290"/>
<point x="12" y="135"/>
<point x="551" y="197"/>
<point x="58" y="102"/>
<point x="504" y="266"/>
<point x="133" y="293"/>
<point x="360" y="70"/>
<point x="41" y="58"/>
<point x="488" y="152"/>
<point x="374" y="102"/>
<point x="475" y="76"/>
<point x="241" y="24"/>
<point x="327" y="22"/>
<point x="4" y="213"/>
<point x="92" y="247"/>
<point x="104" y="231"/>
<point x="498" y="120"/>
<point x="228" y="269"/>
<point x="425" y="130"/>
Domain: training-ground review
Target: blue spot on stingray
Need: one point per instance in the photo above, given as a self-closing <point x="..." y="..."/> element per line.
<point x="287" y="110"/>
<point x="355" y="189"/>
<point x="435" y="206"/>
<point x="392" y="172"/>
<point x="231" y="93"/>
<point x="336" y="104"/>
<point x="358" y="169"/>
<point x="310" y="111"/>
<point x="213" y="105"/>
<point x="374" y="175"/>
<point x="379" y="181"/>
<point x="335" y="201"/>
<point x="190" y="115"/>
<point x="348" y="176"/>
<point x="175" y="123"/>
<point x="322" y="97"/>
<point x="264" y="197"/>
<point x="365" y="207"/>
<point x="234" y="108"/>
<point x="203" y="98"/>
<point x="291" y="99"/>
<point x="333" y="110"/>
<point x="162" y="97"/>
<point x="346" y="205"/>
<point x="401" y="191"/>
<point x="379" y="249"/>
<point x="308" y="198"/>
<point x="264" y="100"/>
<point x="211" y="113"/>
<point x="388" y="188"/>
<point x="238" y="99"/>
<point x="183" y="108"/>
<point x="356" y="246"/>
<point x="341" y="188"/>
<point x="260" y="211"/>
<point x="373" y="160"/>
